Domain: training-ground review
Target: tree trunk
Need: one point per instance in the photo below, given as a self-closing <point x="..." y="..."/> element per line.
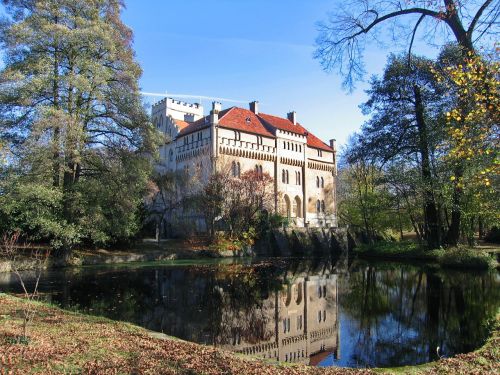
<point x="453" y="235"/>
<point x="431" y="215"/>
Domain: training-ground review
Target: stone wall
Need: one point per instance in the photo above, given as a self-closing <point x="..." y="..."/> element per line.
<point x="304" y="242"/>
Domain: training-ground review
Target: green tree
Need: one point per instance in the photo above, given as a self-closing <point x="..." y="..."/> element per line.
<point x="405" y="105"/>
<point x="71" y="113"/>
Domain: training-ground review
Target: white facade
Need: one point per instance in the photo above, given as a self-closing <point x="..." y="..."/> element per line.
<point x="303" y="167"/>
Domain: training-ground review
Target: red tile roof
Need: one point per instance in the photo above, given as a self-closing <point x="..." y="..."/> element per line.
<point x="261" y="124"/>
<point x="244" y="120"/>
<point x="287" y="125"/>
<point x="182" y="124"/>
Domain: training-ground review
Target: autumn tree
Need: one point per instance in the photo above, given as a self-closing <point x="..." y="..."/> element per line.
<point x="71" y="114"/>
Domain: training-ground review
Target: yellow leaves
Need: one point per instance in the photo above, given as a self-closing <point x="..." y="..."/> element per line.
<point x="452" y="178"/>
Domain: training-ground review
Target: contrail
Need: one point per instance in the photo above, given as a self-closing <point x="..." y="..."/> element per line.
<point x="166" y="95"/>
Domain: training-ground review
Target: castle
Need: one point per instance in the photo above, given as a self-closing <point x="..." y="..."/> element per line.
<point x="302" y="166"/>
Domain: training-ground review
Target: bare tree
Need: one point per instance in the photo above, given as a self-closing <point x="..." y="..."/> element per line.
<point x="10" y="250"/>
<point x="342" y="39"/>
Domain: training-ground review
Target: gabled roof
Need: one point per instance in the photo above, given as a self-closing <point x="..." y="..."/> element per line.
<point x="182" y="124"/>
<point x="244" y="120"/>
<point x="262" y="124"/>
<point x="286" y="125"/>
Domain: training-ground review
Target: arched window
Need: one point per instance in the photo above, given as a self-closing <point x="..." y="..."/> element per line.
<point x="318" y="206"/>
<point x="287" y="177"/>
<point x="322" y="182"/>
<point x="235" y="170"/>
<point x="288" y="145"/>
<point x="300" y="179"/>
<point x="283" y="176"/>
<point x="300" y="148"/>
<point x="284" y="144"/>
<point x="323" y="206"/>
<point x="317" y="181"/>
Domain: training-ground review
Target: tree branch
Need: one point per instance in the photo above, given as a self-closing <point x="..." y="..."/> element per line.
<point x="477" y="17"/>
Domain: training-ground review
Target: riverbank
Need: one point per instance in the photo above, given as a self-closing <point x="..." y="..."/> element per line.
<point x="144" y="251"/>
<point x="70" y="342"/>
<point x="480" y="258"/>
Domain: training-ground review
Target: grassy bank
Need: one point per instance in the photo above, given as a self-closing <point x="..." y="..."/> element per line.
<point x="460" y="257"/>
<point x="68" y="342"/>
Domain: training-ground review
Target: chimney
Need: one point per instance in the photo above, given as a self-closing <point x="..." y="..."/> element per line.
<point x="333" y="144"/>
<point x="214" y="113"/>
<point x="254" y="107"/>
<point x="292" y="116"/>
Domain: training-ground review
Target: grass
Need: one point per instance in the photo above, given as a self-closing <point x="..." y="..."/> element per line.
<point x="458" y="257"/>
<point x="69" y="342"/>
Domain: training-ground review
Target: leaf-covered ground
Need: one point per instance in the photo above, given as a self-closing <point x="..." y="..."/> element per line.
<point x="66" y="342"/>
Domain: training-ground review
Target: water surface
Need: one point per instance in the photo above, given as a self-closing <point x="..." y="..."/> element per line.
<point x="323" y="313"/>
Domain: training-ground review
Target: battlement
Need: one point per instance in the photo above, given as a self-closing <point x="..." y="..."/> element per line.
<point x="178" y="109"/>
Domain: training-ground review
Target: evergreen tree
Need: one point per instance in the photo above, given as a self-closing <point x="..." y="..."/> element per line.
<point x="71" y="113"/>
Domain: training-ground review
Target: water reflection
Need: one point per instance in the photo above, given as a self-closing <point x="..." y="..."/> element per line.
<point x="308" y="311"/>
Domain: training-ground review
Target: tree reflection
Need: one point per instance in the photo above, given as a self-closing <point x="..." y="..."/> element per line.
<point x="400" y="314"/>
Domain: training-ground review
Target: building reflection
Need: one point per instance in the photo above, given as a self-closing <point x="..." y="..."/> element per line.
<point x="300" y="323"/>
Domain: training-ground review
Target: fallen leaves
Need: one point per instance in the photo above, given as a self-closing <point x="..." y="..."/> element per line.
<point x="63" y="342"/>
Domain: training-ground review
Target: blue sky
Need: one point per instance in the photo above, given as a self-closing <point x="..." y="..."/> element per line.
<point x="246" y="50"/>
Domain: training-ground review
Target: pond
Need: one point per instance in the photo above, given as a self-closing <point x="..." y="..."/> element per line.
<point x="321" y="313"/>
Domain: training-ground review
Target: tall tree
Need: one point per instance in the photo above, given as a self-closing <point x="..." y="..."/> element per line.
<point x="342" y="40"/>
<point x="70" y="106"/>
<point x="404" y="105"/>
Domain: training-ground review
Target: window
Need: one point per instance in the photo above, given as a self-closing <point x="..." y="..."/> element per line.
<point x="287" y="178"/>
<point x="283" y="176"/>
<point x="185" y="141"/>
<point x="300" y="179"/>
<point x="236" y="169"/>
<point x="300" y="148"/>
<point x="324" y="315"/>
<point x="320" y="153"/>
<point x="237" y="136"/>
<point x="323" y="206"/>
<point x="317" y="181"/>
<point x="299" y="322"/>
<point x="171" y="155"/>
<point x="288" y="145"/>
<point x="319" y="316"/>
<point x="259" y="140"/>
<point x="318" y="206"/>
<point x="322" y="182"/>
<point x="200" y="136"/>
<point x="284" y="144"/>
<point x="258" y="170"/>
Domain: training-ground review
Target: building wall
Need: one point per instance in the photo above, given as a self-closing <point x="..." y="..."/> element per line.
<point x="297" y="192"/>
